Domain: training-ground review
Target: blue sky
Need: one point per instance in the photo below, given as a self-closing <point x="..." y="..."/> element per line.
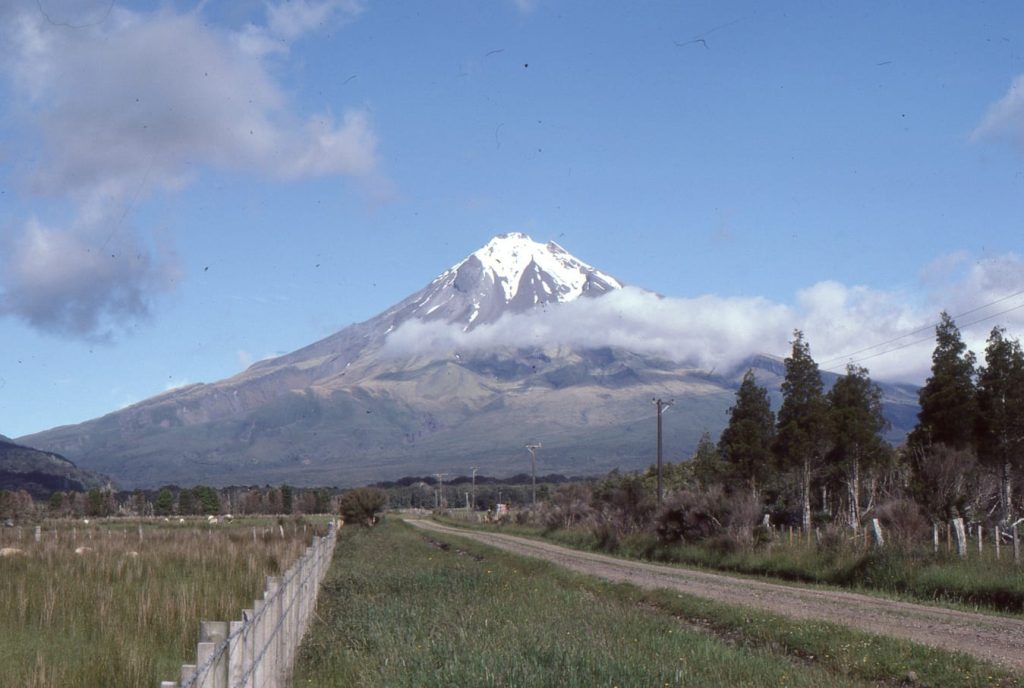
<point x="262" y="174"/>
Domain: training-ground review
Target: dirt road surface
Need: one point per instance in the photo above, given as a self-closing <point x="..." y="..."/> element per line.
<point x="993" y="638"/>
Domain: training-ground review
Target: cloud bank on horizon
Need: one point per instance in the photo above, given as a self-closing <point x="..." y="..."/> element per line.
<point x="887" y="332"/>
<point x="125" y="104"/>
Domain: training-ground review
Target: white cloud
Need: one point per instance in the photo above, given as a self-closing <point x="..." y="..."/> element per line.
<point x="841" y="323"/>
<point x="289" y="20"/>
<point x="77" y="282"/>
<point x="1005" y="117"/>
<point x="114" y="110"/>
<point x="525" y="6"/>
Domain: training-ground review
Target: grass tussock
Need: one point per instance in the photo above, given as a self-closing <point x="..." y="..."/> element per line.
<point x="125" y="613"/>
<point x="402" y="608"/>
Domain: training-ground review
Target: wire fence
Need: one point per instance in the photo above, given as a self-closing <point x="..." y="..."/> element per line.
<point x="258" y="650"/>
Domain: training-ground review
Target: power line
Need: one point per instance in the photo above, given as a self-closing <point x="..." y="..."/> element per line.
<point x="925" y="328"/>
<point x="925" y="339"/>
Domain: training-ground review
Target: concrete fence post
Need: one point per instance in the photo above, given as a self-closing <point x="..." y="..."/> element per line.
<point x="876" y="530"/>
<point x="960" y="533"/>
<point x="259" y="650"/>
<point x="236" y="651"/>
<point x="1016" y="546"/>
<point x="981" y="540"/>
<point x="258" y="638"/>
<point x="214" y="633"/>
<point x="997" y="533"/>
<point x="935" y="538"/>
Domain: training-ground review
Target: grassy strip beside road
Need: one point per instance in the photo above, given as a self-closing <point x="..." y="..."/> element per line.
<point x="402" y="608"/>
<point x="977" y="582"/>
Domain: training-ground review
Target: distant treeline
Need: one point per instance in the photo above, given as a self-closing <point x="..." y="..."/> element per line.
<point x="517" y="479"/>
<point x="170" y="500"/>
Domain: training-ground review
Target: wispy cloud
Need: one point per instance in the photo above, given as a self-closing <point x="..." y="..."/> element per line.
<point x="1005" y="118"/>
<point x="525" y="6"/>
<point x="136" y="102"/>
<point x="842" y="323"/>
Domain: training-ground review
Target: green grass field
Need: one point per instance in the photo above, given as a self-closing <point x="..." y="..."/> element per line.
<point x="115" y="619"/>
<point x="403" y="608"/>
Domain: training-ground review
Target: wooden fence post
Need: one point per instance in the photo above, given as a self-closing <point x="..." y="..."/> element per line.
<point x="935" y="538"/>
<point x="997" y="543"/>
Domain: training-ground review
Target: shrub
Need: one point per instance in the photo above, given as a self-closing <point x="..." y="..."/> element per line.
<point x="691" y="516"/>
<point x="688" y="517"/>
<point x="903" y="522"/>
<point x="569" y="506"/>
<point x="361" y="505"/>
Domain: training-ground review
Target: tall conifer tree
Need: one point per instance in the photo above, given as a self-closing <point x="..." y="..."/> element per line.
<point x="1000" y="421"/>
<point x="746" y="442"/>
<point x="802" y="438"/>
<point x="856" y="421"/>
<point x="948" y="405"/>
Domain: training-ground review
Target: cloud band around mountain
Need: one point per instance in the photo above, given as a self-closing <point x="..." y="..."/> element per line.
<point x="842" y="323"/>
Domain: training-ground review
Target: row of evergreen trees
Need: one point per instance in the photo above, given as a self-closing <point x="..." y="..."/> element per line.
<point x="971" y="424"/>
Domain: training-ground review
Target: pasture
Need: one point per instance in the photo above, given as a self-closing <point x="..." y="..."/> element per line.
<point x="403" y="608"/>
<point x="124" y="611"/>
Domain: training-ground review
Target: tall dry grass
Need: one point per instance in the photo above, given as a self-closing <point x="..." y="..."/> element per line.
<point x="126" y="612"/>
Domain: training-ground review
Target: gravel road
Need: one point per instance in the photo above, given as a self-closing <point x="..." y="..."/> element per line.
<point x="993" y="638"/>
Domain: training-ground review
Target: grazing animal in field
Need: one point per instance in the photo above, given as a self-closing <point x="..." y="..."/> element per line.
<point x="132" y="554"/>
<point x="83" y="550"/>
<point x="10" y="551"/>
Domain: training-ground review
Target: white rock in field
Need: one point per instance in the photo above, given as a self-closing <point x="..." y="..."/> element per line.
<point x="85" y="521"/>
<point x="83" y="550"/>
<point x="10" y="551"/>
<point x="181" y="521"/>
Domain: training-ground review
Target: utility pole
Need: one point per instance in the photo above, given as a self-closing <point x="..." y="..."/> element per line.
<point x="473" y="500"/>
<point x="661" y="406"/>
<point x="440" y="488"/>
<point x="533" y="467"/>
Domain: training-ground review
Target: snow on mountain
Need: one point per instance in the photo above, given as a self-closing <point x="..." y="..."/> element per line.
<point x="511" y="273"/>
<point x="508" y="257"/>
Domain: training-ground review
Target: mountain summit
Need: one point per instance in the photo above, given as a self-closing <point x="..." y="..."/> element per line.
<point x="511" y="274"/>
<point x="348" y="410"/>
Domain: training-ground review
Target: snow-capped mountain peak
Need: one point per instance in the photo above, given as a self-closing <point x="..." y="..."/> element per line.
<point x="508" y="256"/>
<point x="511" y="273"/>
